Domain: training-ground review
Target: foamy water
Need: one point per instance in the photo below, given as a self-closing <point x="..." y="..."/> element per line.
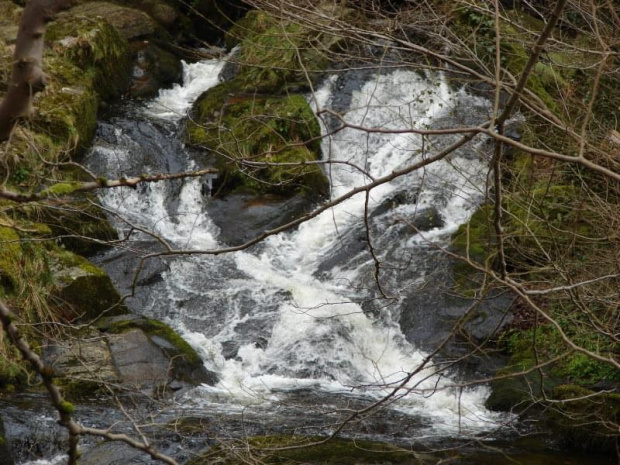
<point x="318" y="336"/>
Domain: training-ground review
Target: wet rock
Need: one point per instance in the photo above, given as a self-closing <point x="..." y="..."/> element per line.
<point x="114" y="453"/>
<point x="243" y="217"/>
<point x="153" y="69"/>
<point x="31" y="430"/>
<point x="5" y="450"/>
<point x="86" y="356"/>
<point x="431" y="314"/>
<point x="121" y="266"/>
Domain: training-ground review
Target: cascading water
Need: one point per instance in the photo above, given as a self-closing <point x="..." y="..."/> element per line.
<point x="291" y="313"/>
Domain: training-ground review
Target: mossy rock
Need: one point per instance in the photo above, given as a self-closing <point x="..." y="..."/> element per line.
<point x="129" y="22"/>
<point x="549" y="78"/>
<point x="335" y="451"/>
<point x="475" y="238"/>
<point x="275" y="54"/>
<point x="81" y="225"/>
<point x="85" y="289"/>
<point x="154" y="68"/>
<point x="187" y="366"/>
<point x="13" y="372"/>
<point x="530" y="347"/>
<point x="585" y="419"/>
<point x="236" y="126"/>
<point x="67" y="112"/>
<point x="96" y="47"/>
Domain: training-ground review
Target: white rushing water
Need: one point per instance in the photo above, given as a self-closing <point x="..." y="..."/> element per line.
<point x="317" y="336"/>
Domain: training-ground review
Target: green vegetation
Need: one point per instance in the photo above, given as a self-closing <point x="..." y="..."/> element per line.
<point x="275" y="54"/>
<point x="256" y="117"/>
<point x="259" y="129"/>
<point x="558" y="230"/>
<point x="87" y="61"/>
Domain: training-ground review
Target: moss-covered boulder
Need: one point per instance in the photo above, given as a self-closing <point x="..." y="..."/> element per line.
<point x="85" y="290"/>
<point x="261" y="131"/>
<point x="183" y="363"/>
<point x="585" y="419"/>
<point x="275" y="54"/>
<point x="262" y="143"/>
<point x="96" y="46"/>
<point x="129" y="351"/>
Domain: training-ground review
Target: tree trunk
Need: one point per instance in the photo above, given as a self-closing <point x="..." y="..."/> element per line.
<point x="28" y="77"/>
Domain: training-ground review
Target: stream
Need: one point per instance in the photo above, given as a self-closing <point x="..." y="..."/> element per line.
<point x="296" y="327"/>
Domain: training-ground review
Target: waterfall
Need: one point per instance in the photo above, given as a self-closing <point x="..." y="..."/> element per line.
<point x="287" y="315"/>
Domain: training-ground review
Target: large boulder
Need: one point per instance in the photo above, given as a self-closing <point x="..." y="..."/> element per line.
<point x="281" y="132"/>
<point x="260" y="130"/>
<point x="86" y="291"/>
<point x="128" y="351"/>
<point x="131" y="23"/>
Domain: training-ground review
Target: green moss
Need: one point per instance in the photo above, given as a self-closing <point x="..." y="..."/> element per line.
<point x="97" y="49"/>
<point x="548" y="78"/>
<point x="80" y="389"/>
<point x="82" y="225"/>
<point x="277" y="53"/>
<point x="68" y="111"/>
<point x="67" y="407"/>
<point x="263" y="129"/>
<point x="12" y="371"/>
<point x="85" y="288"/>
<point x="476" y="236"/>
<point x="61" y="189"/>
<point x="530" y="347"/>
